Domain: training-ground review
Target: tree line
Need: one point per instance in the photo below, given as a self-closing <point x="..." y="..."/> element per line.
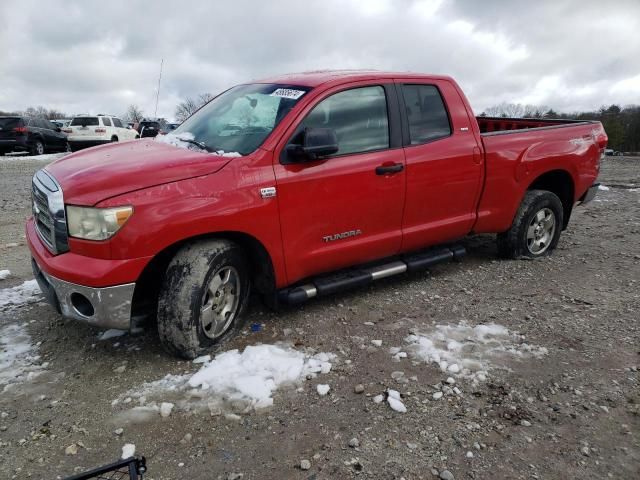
<point x="622" y="124"/>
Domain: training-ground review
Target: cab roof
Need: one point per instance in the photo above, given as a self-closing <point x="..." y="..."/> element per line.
<point x="320" y="77"/>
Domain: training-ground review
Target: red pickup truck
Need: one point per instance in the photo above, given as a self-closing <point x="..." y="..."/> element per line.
<point x="297" y="186"/>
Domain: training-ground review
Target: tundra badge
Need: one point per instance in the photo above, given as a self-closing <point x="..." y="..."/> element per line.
<point x="340" y="236"/>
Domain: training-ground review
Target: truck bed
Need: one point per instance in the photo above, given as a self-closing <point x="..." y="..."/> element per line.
<point x="499" y="125"/>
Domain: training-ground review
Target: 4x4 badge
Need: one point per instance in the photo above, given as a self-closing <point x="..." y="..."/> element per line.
<point x="268" y="192"/>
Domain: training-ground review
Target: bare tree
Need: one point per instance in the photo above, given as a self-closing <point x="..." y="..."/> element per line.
<point x="134" y="114"/>
<point x="187" y="107"/>
<point x="516" y="110"/>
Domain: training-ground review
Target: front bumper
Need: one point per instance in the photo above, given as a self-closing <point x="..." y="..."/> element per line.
<point x="590" y="194"/>
<point x="107" y="307"/>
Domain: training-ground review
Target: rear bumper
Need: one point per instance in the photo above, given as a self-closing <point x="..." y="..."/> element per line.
<point x="80" y="144"/>
<point x="590" y="194"/>
<point x="108" y="307"/>
<point x="8" y="145"/>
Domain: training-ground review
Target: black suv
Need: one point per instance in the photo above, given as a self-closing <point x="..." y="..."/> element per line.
<point x="33" y="135"/>
<point x="151" y="128"/>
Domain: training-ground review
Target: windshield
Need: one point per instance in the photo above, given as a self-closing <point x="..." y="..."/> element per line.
<point x="239" y="120"/>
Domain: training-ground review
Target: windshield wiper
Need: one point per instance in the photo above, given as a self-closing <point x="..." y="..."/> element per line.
<point x="202" y="145"/>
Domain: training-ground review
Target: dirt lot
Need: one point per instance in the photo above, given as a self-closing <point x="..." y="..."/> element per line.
<point x="561" y="402"/>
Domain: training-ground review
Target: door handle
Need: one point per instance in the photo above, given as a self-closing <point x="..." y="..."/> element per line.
<point x="389" y="169"/>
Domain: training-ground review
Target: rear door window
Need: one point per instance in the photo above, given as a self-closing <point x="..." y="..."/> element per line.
<point x="84" y="122"/>
<point x="106" y="121"/>
<point x="426" y="113"/>
<point x="117" y="122"/>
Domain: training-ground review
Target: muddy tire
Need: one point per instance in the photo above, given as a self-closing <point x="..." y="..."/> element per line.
<point x="536" y="228"/>
<point x="203" y="297"/>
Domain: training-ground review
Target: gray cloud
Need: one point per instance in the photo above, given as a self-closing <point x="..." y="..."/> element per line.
<point x="95" y="57"/>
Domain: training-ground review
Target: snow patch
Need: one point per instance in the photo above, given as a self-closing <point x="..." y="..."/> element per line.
<point x="27" y="292"/>
<point x="49" y="157"/>
<point x="128" y="450"/>
<point x="470" y="352"/>
<point x="604" y="188"/>
<point x="19" y="360"/>
<point x="4" y="274"/>
<point x="181" y="140"/>
<point x="233" y="380"/>
<point x="112" y="333"/>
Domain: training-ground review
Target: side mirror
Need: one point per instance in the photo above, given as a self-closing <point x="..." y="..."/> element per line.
<point x="58" y="129"/>
<point x="316" y="143"/>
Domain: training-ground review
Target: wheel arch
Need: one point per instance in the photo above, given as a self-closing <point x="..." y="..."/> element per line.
<point x="561" y="183"/>
<point x="145" y="296"/>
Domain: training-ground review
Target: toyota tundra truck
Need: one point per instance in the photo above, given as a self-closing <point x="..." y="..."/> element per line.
<point x="295" y="187"/>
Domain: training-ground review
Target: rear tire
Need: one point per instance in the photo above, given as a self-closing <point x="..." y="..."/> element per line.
<point x="114" y="139"/>
<point x="203" y="297"/>
<point x="37" y="148"/>
<point x="536" y="228"/>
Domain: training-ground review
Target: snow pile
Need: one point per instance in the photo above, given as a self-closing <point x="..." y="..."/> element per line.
<point x="181" y="140"/>
<point x="4" y="274"/>
<point x="28" y="292"/>
<point x="233" y="381"/>
<point x="19" y="360"/>
<point x="603" y="188"/>
<point x="49" y="157"/>
<point x="470" y="352"/>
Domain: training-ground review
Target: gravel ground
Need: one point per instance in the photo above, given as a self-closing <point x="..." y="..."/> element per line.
<point x="572" y="412"/>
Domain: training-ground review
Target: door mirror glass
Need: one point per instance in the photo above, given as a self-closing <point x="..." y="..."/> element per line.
<point x="316" y="143"/>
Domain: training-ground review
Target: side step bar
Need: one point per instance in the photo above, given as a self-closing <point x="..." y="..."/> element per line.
<point x="357" y="277"/>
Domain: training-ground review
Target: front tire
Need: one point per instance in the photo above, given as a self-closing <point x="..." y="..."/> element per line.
<point x="203" y="297"/>
<point x="536" y="228"/>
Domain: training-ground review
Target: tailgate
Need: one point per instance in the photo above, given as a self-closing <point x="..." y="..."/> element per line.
<point x="9" y="126"/>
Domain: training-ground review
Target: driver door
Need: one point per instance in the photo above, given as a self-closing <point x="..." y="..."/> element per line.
<point x="346" y="208"/>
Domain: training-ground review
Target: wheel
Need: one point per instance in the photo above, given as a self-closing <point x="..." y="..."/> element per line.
<point x="114" y="139"/>
<point x="37" y="148"/>
<point x="202" y="298"/>
<point x="536" y="228"/>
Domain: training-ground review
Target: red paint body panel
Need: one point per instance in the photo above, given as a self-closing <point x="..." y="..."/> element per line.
<point x="449" y="187"/>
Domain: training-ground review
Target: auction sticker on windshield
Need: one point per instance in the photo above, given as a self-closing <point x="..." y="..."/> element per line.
<point x="288" y="93"/>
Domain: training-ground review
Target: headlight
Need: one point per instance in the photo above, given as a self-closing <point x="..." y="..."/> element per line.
<point x="96" y="223"/>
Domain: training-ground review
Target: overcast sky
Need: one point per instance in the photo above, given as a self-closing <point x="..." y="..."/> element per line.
<point x="99" y="57"/>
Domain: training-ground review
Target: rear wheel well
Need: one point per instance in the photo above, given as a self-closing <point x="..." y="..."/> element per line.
<point x="145" y="296"/>
<point x="560" y="183"/>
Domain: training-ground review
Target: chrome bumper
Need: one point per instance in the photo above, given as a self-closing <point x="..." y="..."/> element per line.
<point x="107" y="307"/>
<point x="590" y="194"/>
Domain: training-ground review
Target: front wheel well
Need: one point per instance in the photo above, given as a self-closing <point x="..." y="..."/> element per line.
<point x="560" y="183"/>
<point x="145" y="295"/>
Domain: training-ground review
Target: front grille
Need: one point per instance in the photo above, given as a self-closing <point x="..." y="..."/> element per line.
<point x="48" y="212"/>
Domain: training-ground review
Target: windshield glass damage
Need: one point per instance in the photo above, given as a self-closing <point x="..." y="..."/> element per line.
<point x="238" y="121"/>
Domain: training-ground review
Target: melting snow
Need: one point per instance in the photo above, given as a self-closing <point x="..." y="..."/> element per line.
<point x="470" y="352"/>
<point x="4" y="274"/>
<point x="233" y="380"/>
<point x="19" y="360"/>
<point x="112" y="333"/>
<point x="181" y="141"/>
<point x="603" y="187"/>
<point x="28" y="292"/>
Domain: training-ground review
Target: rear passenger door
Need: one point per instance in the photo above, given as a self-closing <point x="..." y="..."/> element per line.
<point x="444" y="164"/>
<point x="343" y="209"/>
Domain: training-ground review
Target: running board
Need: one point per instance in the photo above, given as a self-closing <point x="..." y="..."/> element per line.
<point x="359" y="276"/>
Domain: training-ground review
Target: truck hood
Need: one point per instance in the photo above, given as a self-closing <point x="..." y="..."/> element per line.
<point x="93" y="175"/>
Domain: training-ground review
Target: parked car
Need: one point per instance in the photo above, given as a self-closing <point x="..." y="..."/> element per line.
<point x="61" y="122"/>
<point x="30" y="134"/>
<point x="297" y="187"/>
<point x="91" y="130"/>
<point x="168" y="128"/>
<point x="151" y="128"/>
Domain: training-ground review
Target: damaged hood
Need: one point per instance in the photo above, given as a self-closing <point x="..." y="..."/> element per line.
<point x="90" y="176"/>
